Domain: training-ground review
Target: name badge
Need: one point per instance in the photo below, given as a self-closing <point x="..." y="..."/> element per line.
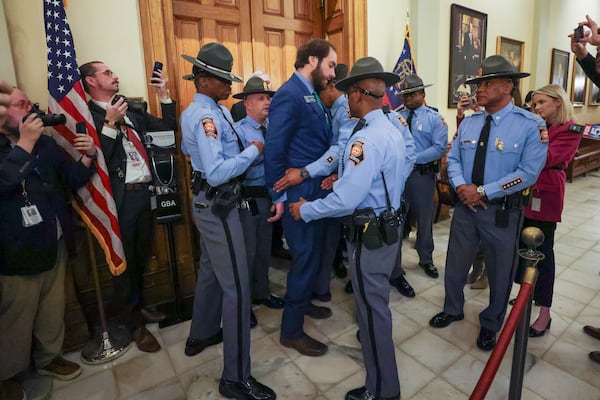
<point x="30" y="216"/>
<point x="536" y="204"/>
<point x="310" y="99"/>
<point x="134" y="157"/>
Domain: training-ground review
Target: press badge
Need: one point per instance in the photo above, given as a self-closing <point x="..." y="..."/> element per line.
<point x="134" y="157"/>
<point x="30" y="215"/>
<point x="536" y="204"/>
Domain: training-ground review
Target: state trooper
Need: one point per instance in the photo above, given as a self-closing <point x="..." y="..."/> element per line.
<point x="368" y="193"/>
<point x="256" y="209"/>
<point x="430" y="133"/>
<point x="219" y="161"/>
<point x="496" y="155"/>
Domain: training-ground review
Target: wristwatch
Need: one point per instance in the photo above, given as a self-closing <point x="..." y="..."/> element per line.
<point x="304" y="173"/>
<point x="480" y="191"/>
<point x="112" y="124"/>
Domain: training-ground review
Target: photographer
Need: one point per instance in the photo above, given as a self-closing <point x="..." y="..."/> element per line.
<point x="34" y="226"/>
<point x="121" y="132"/>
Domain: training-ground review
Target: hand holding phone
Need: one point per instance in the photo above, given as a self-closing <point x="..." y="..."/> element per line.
<point x="157" y="66"/>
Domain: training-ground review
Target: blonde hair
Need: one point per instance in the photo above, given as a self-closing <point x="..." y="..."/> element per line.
<point x="565" y="111"/>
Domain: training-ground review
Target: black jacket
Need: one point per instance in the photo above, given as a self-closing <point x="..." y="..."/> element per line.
<point x="48" y="174"/>
<point x="114" y="153"/>
<point x="588" y="64"/>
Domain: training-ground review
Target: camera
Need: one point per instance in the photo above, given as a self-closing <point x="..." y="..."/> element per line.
<point x="138" y="106"/>
<point x="578" y="33"/>
<point x="47" y="119"/>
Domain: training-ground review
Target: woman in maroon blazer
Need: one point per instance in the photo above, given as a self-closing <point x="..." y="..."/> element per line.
<point x="547" y="200"/>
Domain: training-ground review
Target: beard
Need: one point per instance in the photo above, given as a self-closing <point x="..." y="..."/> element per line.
<point x="317" y="78"/>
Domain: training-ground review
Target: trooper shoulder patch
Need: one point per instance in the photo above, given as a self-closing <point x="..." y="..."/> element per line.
<point x="210" y="129"/>
<point x="512" y="183"/>
<point x="357" y="152"/>
<point x="443" y="121"/>
<point x="544" y="139"/>
<point x="402" y="120"/>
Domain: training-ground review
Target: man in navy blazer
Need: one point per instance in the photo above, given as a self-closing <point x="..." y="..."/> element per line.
<point x="299" y="133"/>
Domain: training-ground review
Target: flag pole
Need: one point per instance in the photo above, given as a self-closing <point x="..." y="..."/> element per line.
<point x="110" y="346"/>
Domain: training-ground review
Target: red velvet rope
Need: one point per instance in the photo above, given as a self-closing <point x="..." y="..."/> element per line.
<point x="489" y="372"/>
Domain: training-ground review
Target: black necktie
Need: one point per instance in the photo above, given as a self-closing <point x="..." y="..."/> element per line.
<point x="409" y="120"/>
<point x="359" y="125"/>
<point x="480" y="153"/>
<point x="264" y="131"/>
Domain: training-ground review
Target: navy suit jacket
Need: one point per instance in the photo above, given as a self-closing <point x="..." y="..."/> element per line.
<point x="297" y="134"/>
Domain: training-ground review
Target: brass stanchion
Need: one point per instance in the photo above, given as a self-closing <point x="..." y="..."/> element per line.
<point x="110" y="346"/>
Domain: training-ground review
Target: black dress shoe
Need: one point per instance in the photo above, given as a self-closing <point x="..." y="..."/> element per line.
<point x="403" y="286"/>
<point x="362" y="393"/>
<point x="340" y="270"/>
<point x="249" y="389"/>
<point x="144" y="340"/>
<point x="152" y="315"/>
<point x="442" y="319"/>
<point x="348" y="288"/>
<point x="535" y="333"/>
<point x="595" y="356"/>
<point x="318" y="312"/>
<point x="430" y="269"/>
<point x="270" y="301"/>
<point x="305" y="345"/>
<point x="592" y="331"/>
<point x="253" y="320"/>
<point x="195" y="346"/>
<point x="486" y="339"/>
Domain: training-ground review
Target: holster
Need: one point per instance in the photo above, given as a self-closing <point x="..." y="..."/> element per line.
<point x="226" y="197"/>
<point x="364" y="226"/>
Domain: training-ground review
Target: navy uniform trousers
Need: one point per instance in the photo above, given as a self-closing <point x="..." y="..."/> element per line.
<point x="499" y="246"/>
<point x="222" y="287"/>
<point x="257" y="236"/>
<point x="370" y="273"/>
<point x="419" y="193"/>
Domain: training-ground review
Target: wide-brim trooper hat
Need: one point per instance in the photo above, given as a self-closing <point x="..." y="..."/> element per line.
<point x="253" y="86"/>
<point x="497" y="67"/>
<point x="365" y="68"/>
<point x="215" y="59"/>
<point x="413" y="83"/>
<point x="341" y="72"/>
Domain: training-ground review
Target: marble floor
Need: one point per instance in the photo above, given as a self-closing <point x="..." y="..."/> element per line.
<point x="432" y="363"/>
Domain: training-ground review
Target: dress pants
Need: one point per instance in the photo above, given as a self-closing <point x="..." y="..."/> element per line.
<point x="257" y="236"/>
<point x="544" y="287"/>
<point x="370" y="272"/>
<point x="332" y="234"/>
<point x="305" y="241"/>
<point x="222" y="289"/>
<point x="469" y="232"/>
<point x="135" y="222"/>
<point x="32" y="317"/>
<point x="419" y="193"/>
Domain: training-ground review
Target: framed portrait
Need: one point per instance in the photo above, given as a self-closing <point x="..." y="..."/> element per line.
<point x="468" y="32"/>
<point x="559" y="70"/>
<point x="594" y="91"/>
<point x="511" y="49"/>
<point x="578" y="86"/>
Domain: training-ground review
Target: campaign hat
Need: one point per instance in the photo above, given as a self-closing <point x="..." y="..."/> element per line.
<point x="413" y="83"/>
<point x="497" y="66"/>
<point x="366" y="68"/>
<point x="253" y="86"/>
<point x="214" y="59"/>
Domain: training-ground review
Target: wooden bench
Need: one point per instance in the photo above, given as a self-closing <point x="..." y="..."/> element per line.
<point x="586" y="159"/>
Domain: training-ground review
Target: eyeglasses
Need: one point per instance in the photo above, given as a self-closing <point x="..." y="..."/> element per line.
<point x="363" y="91"/>
<point x="107" y="72"/>
<point x="22" y="104"/>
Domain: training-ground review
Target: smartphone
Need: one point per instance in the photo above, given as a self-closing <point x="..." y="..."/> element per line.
<point x="157" y="66"/>
<point x="80" y="127"/>
<point x="117" y="97"/>
<point x="578" y="33"/>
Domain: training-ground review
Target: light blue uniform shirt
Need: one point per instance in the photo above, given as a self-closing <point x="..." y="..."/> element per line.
<point x="429" y="132"/>
<point x="209" y="140"/>
<point x="249" y="131"/>
<point x="516" y="151"/>
<point x="375" y="148"/>
<point x="411" y="150"/>
<point x="342" y="127"/>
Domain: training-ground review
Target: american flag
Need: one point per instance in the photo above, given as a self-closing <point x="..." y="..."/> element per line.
<point x="93" y="202"/>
